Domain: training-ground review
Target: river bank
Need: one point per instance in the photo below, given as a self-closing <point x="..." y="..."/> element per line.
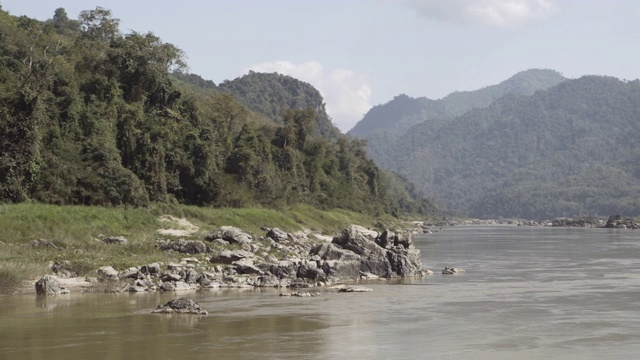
<point x="135" y="250"/>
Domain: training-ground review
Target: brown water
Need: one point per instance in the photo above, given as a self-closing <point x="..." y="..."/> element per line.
<point x="528" y="293"/>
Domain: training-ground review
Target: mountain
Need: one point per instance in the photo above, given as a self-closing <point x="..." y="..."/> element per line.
<point x="271" y="94"/>
<point x="91" y="116"/>
<point x="403" y="111"/>
<point x="568" y="150"/>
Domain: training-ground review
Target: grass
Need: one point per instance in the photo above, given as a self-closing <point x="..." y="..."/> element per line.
<point x="75" y="229"/>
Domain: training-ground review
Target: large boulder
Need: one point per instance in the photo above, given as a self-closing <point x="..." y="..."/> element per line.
<point x="384" y="255"/>
<point x="49" y="285"/>
<point x="277" y="234"/>
<point x="107" y="273"/>
<point x="358" y="239"/>
<point x="231" y="234"/>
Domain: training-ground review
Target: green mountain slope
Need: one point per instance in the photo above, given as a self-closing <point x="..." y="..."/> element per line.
<point x="272" y="94"/>
<point x="402" y="112"/>
<point x="569" y="150"/>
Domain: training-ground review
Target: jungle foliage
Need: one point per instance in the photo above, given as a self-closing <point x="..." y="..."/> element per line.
<point x="92" y="116"/>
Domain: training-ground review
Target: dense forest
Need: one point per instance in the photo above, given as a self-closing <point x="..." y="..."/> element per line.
<point x="384" y="125"/>
<point x="569" y="150"/>
<point x="92" y="116"/>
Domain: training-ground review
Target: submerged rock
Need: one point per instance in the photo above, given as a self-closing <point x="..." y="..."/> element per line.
<point x="352" y="289"/>
<point x="301" y="294"/>
<point x="180" y="306"/>
<point x="451" y="271"/>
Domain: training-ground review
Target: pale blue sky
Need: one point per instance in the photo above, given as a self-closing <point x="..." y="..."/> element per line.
<point x="361" y="53"/>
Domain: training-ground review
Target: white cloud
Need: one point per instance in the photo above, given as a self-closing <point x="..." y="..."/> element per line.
<point x="485" y="12"/>
<point x="346" y="93"/>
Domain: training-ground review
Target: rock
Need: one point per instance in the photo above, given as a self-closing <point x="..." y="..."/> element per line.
<point x="358" y="239"/>
<point x="61" y="269"/>
<point x="183" y="286"/>
<point x="186" y="247"/>
<point x="400" y="259"/>
<point x="301" y="294"/>
<point x="230" y="234"/>
<point x="352" y="289"/>
<point x="228" y="256"/>
<point x="190" y="276"/>
<point x="48" y="285"/>
<point x="387" y="239"/>
<point x="368" y="276"/>
<point x="42" y="243"/>
<point x="120" y="240"/>
<point x="107" y="273"/>
<point x="329" y="251"/>
<point x="136" y="289"/>
<point x="180" y="306"/>
<point x="451" y="271"/>
<point x="130" y="273"/>
<point x="311" y="271"/>
<point x="167" y="276"/>
<point x="167" y="286"/>
<point x="190" y="260"/>
<point x="277" y="234"/>
<point x="428" y="272"/>
<point x="151" y="269"/>
<point x="246" y="266"/>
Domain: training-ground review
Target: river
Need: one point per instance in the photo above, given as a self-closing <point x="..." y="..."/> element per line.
<point x="528" y="293"/>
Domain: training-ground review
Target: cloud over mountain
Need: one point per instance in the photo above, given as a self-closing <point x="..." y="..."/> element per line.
<point x="347" y="94"/>
<point x="500" y="13"/>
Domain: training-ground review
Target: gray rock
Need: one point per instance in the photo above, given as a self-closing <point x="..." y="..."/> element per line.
<point x="353" y="289"/>
<point x="48" y="285"/>
<point x="107" y="273"/>
<point x="228" y="256"/>
<point x="120" y="240"/>
<point x="136" y="289"/>
<point x="230" y="234"/>
<point x="130" y="273"/>
<point x="167" y="286"/>
<point x="277" y="234"/>
<point x="42" y="243"/>
<point x="186" y="247"/>
<point x="61" y="269"/>
<point x="358" y="239"/>
<point x="180" y="306"/>
<point x="301" y="294"/>
<point x="167" y="276"/>
<point x="329" y="251"/>
<point x="183" y="286"/>
<point x="451" y="271"/>
<point x="246" y="266"/>
<point x="151" y="269"/>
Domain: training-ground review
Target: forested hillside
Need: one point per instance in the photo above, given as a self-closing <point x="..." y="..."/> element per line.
<point x="570" y="150"/>
<point x="89" y="115"/>
<point x="384" y="125"/>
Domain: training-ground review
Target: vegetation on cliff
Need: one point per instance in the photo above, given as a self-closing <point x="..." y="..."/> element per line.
<point x="92" y="116"/>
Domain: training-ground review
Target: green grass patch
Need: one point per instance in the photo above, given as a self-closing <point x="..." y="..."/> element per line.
<point x="75" y="230"/>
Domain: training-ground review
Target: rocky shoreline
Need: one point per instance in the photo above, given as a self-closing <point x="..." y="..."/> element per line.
<point x="613" y="222"/>
<point x="229" y="257"/>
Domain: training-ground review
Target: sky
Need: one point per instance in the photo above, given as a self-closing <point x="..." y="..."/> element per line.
<point x="362" y="53"/>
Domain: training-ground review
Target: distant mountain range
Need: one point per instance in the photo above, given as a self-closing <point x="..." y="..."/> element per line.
<point x="534" y="146"/>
